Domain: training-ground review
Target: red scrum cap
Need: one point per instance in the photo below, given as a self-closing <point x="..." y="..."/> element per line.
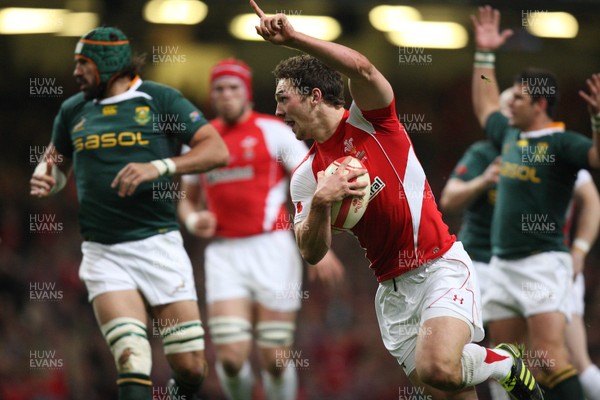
<point x="235" y="68"/>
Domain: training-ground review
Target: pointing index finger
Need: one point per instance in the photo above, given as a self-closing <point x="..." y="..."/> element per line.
<point x="257" y="9"/>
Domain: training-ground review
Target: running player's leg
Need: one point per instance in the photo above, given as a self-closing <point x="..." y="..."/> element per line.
<point x="438" y="355"/>
<point x="589" y="374"/>
<point x="182" y="334"/>
<point x="231" y="332"/>
<point x="122" y="318"/>
<point x="547" y="341"/>
<point x="274" y="336"/>
<point x="510" y="330"/>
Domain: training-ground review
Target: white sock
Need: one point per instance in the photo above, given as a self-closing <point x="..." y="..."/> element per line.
<point x="480" y="363"/>
<point x="238" y="387"/>
<point x="285" y="387"/>
<point x="590" y="381"/>
<point x="497" y="392"/>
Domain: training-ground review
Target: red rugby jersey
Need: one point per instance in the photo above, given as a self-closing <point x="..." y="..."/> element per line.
<point x="402" y="227"/>
<point x="249" y="195"/>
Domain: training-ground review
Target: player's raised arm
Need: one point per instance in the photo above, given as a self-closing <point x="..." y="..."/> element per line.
<point x="488" y="38"/>
<point x="369" y="88"/>
<point x="593" y="102"/>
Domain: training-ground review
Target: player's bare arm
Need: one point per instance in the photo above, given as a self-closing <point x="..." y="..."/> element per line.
<point x="488" y="38"/>
<point x="588" y="222"/>
<point x="208" y="151"/>
<point x="313" y="234"/>
<point x="593" y="102"/>
<point x="50" y="176"/>
<point x="330" y="270"/>
<point x="458" y="194"/>
<point x="369" y="88"/>
<point x="191" y="211"/>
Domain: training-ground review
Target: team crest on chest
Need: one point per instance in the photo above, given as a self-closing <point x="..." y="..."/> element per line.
<point x="142" y="115"/>
<point x="350" y="149"/>
<point x="248" y="144"/>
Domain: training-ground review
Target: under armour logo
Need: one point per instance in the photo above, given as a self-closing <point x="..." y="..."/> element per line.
<point x="457" y="299"/>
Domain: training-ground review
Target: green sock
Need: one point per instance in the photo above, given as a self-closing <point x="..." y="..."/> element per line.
<point x="185" y="390"/>
<point x="565" y="385"/>
<point x="134" y="387"/>
<point x="548" y="394"/>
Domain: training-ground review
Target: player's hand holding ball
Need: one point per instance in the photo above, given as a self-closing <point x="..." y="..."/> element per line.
<point x="345" y="186"/>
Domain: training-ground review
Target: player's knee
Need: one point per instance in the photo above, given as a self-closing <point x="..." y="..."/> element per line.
<point x="129" y="345"/>
<point x="227" y="332"/>
<point x="274" y="334"/>
<point x="186" y="339"/>
<point x="191" y="369"/>
<point x="274" y="337"/>
<point x="439" y="373"/>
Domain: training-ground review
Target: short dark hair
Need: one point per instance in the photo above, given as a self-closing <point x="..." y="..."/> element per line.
<point x="308" y="72"/>
<point x="539" y="83"/>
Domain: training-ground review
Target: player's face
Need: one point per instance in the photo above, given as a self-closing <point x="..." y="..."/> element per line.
<point x="229" y="98"/>
<point x="521" y="108"/>
<point x="86" y="77"/>
<point x="293" y="109"/>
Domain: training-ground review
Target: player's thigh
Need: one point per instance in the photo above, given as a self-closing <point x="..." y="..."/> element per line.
<point x="577" y="343"/>
<point x="423" y="391"/>
<point x="440" y="344"/>
<point x="547" y="330"/>
<point x="275" y="334"/>
<point x="547" y="338"/>
<point x="229" y="322"/>
<point x="117" y="304"/>
<point x="509" y="330"/>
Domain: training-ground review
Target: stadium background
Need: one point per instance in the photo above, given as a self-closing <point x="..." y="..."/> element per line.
<point x="44" y="314"/>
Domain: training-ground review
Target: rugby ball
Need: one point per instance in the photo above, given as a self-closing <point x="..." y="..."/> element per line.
<point x="346" y="213"/>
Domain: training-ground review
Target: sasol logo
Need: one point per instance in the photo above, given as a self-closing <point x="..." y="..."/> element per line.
<point x="110" y="139"/>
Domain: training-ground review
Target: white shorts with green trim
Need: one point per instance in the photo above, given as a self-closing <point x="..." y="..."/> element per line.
<point x="528" y="286"/>
<point x="157" y="266"/>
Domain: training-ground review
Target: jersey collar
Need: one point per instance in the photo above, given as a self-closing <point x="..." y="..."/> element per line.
<point x="131" y="93"/>
<point x="554" y="127"/>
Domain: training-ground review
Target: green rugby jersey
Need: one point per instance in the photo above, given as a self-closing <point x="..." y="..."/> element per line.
<point x="145" y="123"/>
<point x="536" y="183"/>
<point x="477" y="218"/>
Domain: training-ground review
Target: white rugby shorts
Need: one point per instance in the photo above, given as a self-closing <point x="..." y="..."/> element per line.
<point x="577" y="295"/>
<point x="483" y="275"/>
<point x="157" y="266"/>
<point x="447" y="287"/>
<point x="265" y="268"/>
<point x="529" y="286"/>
